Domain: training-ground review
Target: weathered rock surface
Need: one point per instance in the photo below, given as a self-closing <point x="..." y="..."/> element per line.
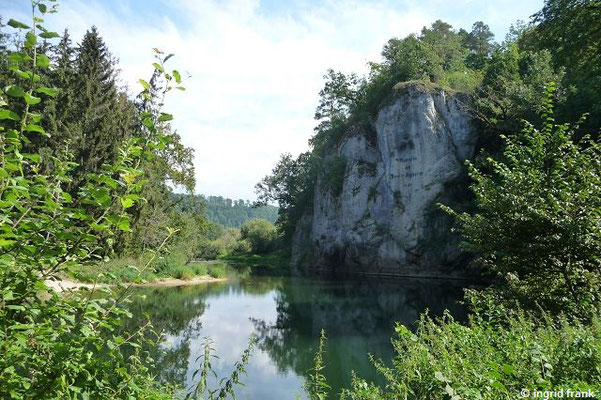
<point x="385" y="219"/>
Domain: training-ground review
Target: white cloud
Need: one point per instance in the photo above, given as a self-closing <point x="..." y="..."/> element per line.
<point x="254" y="75"/>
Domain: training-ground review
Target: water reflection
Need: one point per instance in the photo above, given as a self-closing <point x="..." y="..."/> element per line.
<point x="287" y="315"/>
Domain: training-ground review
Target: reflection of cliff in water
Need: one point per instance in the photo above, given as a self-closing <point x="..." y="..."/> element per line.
<point x="358" y="316"/>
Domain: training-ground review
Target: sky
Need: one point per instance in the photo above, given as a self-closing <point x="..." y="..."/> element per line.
<point x="253" y="68"/>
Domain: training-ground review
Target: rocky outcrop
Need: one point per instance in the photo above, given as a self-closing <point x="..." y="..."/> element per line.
<point x="383" y="217"/>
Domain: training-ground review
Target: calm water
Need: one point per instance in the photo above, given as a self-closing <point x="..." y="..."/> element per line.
<point x="286" y="315"/>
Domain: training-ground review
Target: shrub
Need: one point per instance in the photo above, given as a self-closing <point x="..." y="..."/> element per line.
<point x="261" y="234"/>
<point x="217" y="271"/>
<point x="54" y="345"/>
<point x="444" y="359"/>
<point x="538" y="219"/>
<point x="200" y="269"/>
<point x="335" y="177"/>
<point x="210" y="249"/>
<point x="242" y="246"/>
<point x="184" y="272"/>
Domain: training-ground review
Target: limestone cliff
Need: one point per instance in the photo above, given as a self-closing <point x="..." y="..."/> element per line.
<point x="383" y="217"/>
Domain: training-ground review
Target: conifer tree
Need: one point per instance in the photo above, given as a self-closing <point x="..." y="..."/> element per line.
<point x="104" y="118"/>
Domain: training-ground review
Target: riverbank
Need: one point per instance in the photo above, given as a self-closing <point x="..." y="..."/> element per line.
<point x="68" y="284"/>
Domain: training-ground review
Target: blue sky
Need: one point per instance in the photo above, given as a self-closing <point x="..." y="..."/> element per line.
<point x="256" y="66"/>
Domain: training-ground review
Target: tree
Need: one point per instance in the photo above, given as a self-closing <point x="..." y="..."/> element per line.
<point x="537" y="223"/>
<point x="105" y="117"/>
<point x="291" y="185"/>
<point x="260" y="233"/>
<point x="56" y="345"/>
<point x="479" y="43"/>
<point x="571" y="31"/>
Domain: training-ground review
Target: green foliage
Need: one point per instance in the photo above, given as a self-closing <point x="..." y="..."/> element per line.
<point x="316" y="385"/>
<point x="513" y="89"/>
<point x="261" y="234"/>
<point x="335" y="175"/>
<point x="537" y="222"/>
<point x="117" y="270"/>
<point x="291" y="185"/>
<point x="444" y="359"/>
<point x="60" y="345"/>
<point x="233" y="213"/>
<point x="217" y="271"/>
<point x="568" y="29"/>
<point x="227" y="385"/>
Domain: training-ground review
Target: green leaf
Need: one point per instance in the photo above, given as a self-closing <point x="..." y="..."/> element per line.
<point x="177" y="76"/>
<point x="42" y="8"/>
<point x="439" y="376"/>
<point x="126" y="203"/>
<point x="165" y="117"/>
<point x="35" y="128"/>
<point x="129" y="199"/>
<point x="31" y="100"/>
<point x="42" y="61"/>
<point x="25" y="75"/>
<point x="8" y="114"/>
<point x="144" y="84"/>
<point x="499" y="386"/>
<point x="15" y="91"/>
<point x="34" y="117"/>
<point x="180" y="88"/>
<point x="32" y="156"/>
<point x="67" y="197"/>
<point x="18" y="57"/>
<point x="157" y="67"/>
<point x="16" y="24"/>
<point x="49" y="35"/>
<point x="30" y="40"/>
<point x="6" y="243"/>
<point x="508" y="369"/>
<point x="52" y="92"/>
<point x="124" y="225"/>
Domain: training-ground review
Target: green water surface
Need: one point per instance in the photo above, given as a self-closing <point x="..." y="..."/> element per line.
<point x="286" y="315"/>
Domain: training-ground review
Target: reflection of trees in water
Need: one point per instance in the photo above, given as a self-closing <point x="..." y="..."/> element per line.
<point x="175" y="313"/>
<point x="358" y="316"/>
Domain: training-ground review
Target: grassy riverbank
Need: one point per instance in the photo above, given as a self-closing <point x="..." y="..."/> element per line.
<point x="132" y="270"/>
<point x="138" y="269"/>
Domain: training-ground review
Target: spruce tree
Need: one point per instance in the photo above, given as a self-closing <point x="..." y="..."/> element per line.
<point x="104" y="118"/>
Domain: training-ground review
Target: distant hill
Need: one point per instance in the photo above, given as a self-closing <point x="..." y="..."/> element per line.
<point x="220" y="210"/>
<point x="233" y="213"/>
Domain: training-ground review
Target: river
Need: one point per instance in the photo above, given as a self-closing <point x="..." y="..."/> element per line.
<point x="286" y="315"/>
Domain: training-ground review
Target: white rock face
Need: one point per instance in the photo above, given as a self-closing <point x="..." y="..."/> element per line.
<point x="385" y="220"/>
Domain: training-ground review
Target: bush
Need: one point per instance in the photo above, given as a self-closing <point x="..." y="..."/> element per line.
<point x="184" y="272"/>
<point x="210" y="249"/>
<point x="336" y="169"/>
<point x="261" y="234"/>
<point x="200" y="269"/>
<point x="217" y="271"/>
<point x="538" y="218"/>
<point x="242" y="246"/>
<point x="55" y="345"/>
<point x="444" y="359"/>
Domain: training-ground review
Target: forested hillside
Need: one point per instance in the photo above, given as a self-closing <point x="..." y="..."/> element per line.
<point x="233" y="213"/>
